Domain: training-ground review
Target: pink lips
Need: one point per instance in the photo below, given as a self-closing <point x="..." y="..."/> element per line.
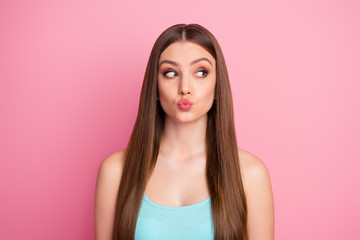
<point x="185" y="104"/>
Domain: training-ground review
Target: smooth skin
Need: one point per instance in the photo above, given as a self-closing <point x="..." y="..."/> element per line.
<point x="186" y="71"/>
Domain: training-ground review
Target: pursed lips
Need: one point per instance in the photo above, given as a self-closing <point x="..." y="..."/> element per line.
<point x="185" y="104"/>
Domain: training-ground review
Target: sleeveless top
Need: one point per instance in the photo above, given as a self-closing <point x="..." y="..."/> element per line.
<point x="158" y="222"/>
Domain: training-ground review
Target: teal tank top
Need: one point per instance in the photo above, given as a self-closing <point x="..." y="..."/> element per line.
<point x="158" y="222"/>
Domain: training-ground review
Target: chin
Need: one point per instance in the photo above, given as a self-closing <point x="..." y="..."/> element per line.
<point x="185" y="119"/>
<point x="190" y="118"/>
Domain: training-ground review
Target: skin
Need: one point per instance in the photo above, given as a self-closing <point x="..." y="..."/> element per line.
<point x="181" y="161"/>
<point x="180" y="167"/>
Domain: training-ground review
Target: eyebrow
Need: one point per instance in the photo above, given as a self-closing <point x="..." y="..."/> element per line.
<point x="192" y="63"/>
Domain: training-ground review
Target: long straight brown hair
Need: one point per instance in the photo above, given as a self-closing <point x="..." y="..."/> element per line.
<point x="228" y="203"/>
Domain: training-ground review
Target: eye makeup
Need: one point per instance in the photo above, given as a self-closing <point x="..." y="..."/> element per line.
<point x="172" y="73"/>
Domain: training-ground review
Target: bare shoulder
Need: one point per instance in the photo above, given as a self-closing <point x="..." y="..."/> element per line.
<point x="107" y="185"/>
<point x="259" y="196"/>
<point x="248" y="159"/>
<point x="112" y="165"/>
<point x="253" y="169"/>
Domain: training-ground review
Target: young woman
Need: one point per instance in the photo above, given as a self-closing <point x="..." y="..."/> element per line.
<point x="182" y="175"/>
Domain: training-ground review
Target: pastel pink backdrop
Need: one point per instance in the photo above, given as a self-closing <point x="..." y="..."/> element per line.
<point x="70" y="79"/>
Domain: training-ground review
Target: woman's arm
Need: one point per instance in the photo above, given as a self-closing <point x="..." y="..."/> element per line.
<point x="107" y="184"/>
<point x="259" y="197"/>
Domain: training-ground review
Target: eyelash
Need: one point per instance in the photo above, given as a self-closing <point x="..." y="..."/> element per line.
<point x="176" y="74"/>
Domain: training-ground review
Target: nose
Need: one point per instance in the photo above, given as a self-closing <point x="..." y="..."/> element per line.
<point x="184" y="88"/>
<point x="184" y="92"/>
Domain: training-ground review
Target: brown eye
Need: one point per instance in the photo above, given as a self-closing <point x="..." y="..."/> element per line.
<point x="202" y="73"/>
<point x="170" y="74"/>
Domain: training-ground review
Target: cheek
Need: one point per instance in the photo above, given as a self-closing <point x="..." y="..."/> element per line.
<point x="210" y="97"/>
<point x="209" y="90"/>
<point x="163" y="91"/>
<point x="166" y="96"/>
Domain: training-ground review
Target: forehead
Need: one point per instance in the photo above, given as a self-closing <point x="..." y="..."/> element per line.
<point x="185" y="51"/>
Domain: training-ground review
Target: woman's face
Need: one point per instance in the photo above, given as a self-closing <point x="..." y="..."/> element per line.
<point x="186" y="72"/>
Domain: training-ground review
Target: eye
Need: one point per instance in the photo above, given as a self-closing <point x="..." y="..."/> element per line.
<point x="170" y="74"/>
<point x="202" y="73"/>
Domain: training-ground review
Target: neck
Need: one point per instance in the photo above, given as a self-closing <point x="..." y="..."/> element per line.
<point x="182" y="140"/>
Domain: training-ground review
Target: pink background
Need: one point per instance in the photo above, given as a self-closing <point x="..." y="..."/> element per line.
<point x="70" y="78"/>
